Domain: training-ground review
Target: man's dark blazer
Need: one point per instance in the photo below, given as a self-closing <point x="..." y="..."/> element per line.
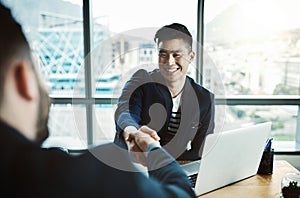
<point x="26" y="170"/>
<point x="145" y="100"/>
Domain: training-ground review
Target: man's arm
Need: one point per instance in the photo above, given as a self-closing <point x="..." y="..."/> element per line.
<point x="129" y="109"/>
<point x="163" y="168"/>
<point x="126" y="113"/>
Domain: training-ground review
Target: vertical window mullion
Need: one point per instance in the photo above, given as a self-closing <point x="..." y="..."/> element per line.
<point x="298" y="122"/>
<point x="88" y="70"/>
<point x="298" y="127"/>
<point x="199" y="43"/>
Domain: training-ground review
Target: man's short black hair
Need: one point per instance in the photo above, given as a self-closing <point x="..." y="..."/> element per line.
<point x="12" y="39"/>
<point x="174" y="31"/>
<point x="13" y="43"/>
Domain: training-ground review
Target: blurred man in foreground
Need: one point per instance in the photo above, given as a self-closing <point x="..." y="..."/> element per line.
<point x="27" y="170"/>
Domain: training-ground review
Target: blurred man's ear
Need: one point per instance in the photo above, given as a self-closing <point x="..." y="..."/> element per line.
<point x="24" y="80"/>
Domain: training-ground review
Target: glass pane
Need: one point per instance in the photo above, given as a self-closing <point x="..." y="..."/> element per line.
<point x="67" y="127"/>
<point x="55" y="31"/>
<point x="283" y="118"/>
<point x="104" y="124"/>
<point x="254" y="44"/>
<point x="123" y="40"/>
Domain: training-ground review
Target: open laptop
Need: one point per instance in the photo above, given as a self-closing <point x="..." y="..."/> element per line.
<point x="228" y="157"/>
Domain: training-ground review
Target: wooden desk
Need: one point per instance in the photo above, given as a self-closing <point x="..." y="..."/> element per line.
<point x="265" y="186"/>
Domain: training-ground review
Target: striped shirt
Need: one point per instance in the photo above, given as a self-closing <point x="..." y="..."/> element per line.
<point x="174" y="121"/>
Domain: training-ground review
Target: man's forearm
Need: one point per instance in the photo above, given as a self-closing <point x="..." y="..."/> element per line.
<point x="164" y="168"/>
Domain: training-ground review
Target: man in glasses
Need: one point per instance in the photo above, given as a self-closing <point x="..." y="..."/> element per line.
<point x="166" y="101"/>
<point x="27" y="170"/>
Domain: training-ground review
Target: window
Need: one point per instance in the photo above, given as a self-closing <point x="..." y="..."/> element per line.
<point x="255" y="47"/>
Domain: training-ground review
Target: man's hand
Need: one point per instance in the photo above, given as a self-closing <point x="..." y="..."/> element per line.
<point x="138" y="140"/>
<point x="141" y="140"/>
<point x="150" y="132"/>
<point x="131" y="130"/>
<point x="134" y="150"/>
<point x="126" y="132"/>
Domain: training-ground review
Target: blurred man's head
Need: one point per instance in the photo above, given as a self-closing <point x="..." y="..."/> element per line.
<point x="24" y="103"/>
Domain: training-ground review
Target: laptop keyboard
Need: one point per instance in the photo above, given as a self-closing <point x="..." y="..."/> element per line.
<point x="193" y="179"/>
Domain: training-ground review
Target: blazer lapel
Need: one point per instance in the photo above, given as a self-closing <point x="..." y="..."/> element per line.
<point x="190" y="112"/>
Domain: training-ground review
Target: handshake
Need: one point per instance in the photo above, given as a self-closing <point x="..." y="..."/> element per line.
<point x="138" y="140"/>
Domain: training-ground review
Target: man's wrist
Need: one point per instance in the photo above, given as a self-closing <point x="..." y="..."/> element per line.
<point x="152" y="146"/>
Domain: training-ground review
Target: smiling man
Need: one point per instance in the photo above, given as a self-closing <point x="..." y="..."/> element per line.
<point x="166" y="102"/>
